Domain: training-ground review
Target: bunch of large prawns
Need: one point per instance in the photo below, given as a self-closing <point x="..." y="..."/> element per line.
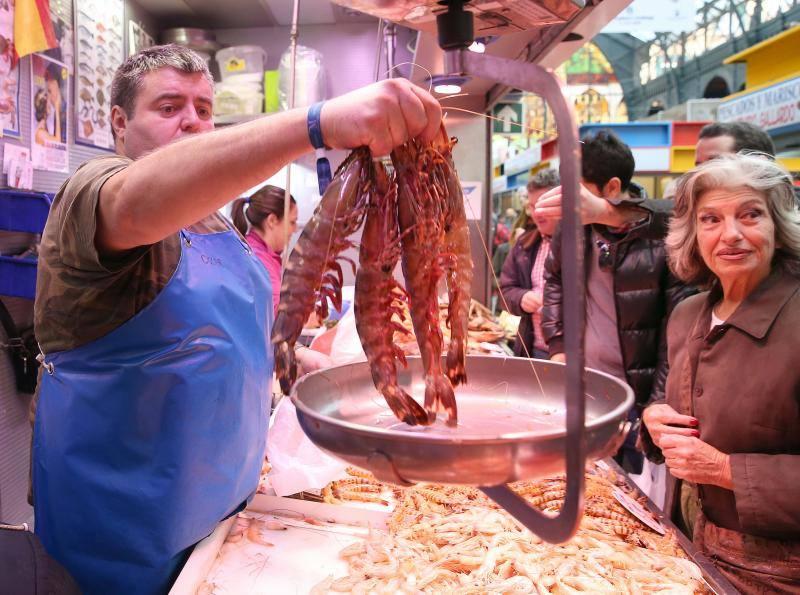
<point x="379" y="297"/>
<point x="417" y="214"/>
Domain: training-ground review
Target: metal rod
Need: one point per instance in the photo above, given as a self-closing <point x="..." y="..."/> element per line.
<point x="390" y="40"/>
<point x="533" y="78"/>
<point x="378" y="49"/>
<point x="287" y="195"/>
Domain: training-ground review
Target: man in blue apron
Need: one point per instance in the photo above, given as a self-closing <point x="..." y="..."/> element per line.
<point x="154" y="318"/>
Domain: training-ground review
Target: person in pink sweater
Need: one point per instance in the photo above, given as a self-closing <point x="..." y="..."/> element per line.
<point x="259" y="219"/>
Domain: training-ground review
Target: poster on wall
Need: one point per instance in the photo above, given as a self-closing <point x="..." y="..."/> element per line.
<point x="62" y="28"/>
<point x="49" y="109"/>
<point x="99" y="51"/>
<point x="17" y="166"/>
<point x="138" y="39"/>
<point x="9" y="73"/>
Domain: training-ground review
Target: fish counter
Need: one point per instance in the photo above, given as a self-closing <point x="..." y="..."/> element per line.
<point x="358" y="535"/>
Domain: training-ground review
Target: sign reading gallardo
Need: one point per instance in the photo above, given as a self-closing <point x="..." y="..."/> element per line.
<point x="770" y="108"/>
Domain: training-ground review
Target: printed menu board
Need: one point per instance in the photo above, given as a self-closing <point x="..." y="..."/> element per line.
<point x="99" y="30"/>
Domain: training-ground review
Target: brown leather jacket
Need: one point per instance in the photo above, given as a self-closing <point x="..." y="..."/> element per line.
<point x="742" y="382"/>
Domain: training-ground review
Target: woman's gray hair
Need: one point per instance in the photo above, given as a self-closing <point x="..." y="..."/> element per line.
<point x="545" y="178"/>
<point x="751" y="170"/>
<point x="129" y="76"/>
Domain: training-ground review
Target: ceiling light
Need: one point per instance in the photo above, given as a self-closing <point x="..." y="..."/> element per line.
<point x="447" y="85"/>
<point x="447" y="89"/>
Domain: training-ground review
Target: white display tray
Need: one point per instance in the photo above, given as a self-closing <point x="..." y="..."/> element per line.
<point x="301" y="556"/>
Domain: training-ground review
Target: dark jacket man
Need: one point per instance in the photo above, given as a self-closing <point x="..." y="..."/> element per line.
<point x="630" y="290"/>
<point x="645" y="292"/>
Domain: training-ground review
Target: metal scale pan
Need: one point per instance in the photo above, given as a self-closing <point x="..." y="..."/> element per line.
<point x="502" y="437"/>
<point x="509" y="427"/>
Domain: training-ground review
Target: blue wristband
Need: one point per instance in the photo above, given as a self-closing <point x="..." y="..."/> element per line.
<point x="314" y="126"/>
<point x="315" y="136"/>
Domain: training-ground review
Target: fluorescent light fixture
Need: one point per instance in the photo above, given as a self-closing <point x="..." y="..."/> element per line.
<point x="447" y="85"/>
<point x="447" y="89"/>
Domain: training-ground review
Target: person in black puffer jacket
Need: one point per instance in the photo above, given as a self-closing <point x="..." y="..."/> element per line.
<point x="630" y="291"/>
<point x="524" y="268"/>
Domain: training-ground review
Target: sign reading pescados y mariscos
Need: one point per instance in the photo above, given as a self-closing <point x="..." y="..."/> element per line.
<point x="770" y="108"/>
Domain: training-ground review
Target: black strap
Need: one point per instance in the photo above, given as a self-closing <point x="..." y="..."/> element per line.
<point x="12" y="332"/>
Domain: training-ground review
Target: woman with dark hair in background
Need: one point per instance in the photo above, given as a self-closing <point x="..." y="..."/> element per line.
<point x="259" y="219"/>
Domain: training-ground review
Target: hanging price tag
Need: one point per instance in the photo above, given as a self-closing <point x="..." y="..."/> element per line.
<point x="639" y="511"/>
<point x="602" y="465"/>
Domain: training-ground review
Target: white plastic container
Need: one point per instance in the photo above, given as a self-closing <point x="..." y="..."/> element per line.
<point x="241" y="59"/>
<point x="233" y="99"/>
<point x="252" y="79"/>
<point x="309" y="77"/>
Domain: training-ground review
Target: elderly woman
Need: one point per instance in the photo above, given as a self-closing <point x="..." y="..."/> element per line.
<point x="731" y="420"/>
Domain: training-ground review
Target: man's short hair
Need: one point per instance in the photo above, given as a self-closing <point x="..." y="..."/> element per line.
<point x="746" y="136"/>
<point x="545" y="178"/>
<point x="605" y="156"/>
<point x="129" y="76"/>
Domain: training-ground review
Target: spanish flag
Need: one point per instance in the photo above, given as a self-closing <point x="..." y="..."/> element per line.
<point x="33" y="27"/>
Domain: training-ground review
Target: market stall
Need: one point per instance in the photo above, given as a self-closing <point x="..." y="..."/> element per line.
<point x="424" y="458"/>
<point x="360" y="535"/>
<point x="442" y="538"/>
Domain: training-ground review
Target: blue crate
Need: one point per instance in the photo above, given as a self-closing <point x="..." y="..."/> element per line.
<point x="24" y="211"/>
<point x="635" y="134"/>
<point x="18" y="277"/>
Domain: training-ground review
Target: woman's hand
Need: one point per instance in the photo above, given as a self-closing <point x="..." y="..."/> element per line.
<point x="692" y="459"/>
<point x="662" y="420"/>
<point x="530" y="302"/>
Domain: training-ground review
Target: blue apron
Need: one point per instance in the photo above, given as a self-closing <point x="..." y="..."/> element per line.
<point x="148" y="437"/>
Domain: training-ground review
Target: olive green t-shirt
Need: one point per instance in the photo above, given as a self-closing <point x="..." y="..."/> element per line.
<point x="80" y="294"/>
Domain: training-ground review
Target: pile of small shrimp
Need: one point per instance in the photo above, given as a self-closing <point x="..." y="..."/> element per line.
<point x="485" y="551"/>
<point x="602" y="512"/>
<point x="361" y="486"/>
<point x="452" y="539"/>
<point x="414" y="216"/>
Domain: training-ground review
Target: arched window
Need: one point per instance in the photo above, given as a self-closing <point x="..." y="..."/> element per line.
<point x="716" y="88"/>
